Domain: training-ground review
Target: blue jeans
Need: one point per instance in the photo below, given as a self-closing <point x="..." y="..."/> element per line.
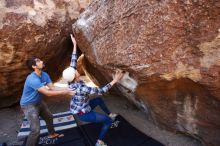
<point x="95" y="117"/>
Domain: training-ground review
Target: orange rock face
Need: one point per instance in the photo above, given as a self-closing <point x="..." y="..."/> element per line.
<point x="170" y="51"/>
<point x="34" y="28"/>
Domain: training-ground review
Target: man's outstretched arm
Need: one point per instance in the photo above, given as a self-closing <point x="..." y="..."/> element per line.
<point x="55" y="88"/>
<point x="44" y="90"/>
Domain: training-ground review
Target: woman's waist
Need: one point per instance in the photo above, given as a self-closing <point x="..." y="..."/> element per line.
<point x="80" y="109"/>
<point x="79" y="99"/>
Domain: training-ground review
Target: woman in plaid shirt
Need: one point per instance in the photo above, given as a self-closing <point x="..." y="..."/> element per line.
<point x="82" y="106"/>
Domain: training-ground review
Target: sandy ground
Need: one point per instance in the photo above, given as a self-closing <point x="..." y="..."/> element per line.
<point x="11" y="119"/>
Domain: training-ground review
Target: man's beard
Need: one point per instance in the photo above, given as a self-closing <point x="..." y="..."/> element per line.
<point x="42" y="67"/>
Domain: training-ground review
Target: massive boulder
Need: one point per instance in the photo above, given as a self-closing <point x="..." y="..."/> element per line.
<point x="170" y="51"/>
<point x="37" y="28"/>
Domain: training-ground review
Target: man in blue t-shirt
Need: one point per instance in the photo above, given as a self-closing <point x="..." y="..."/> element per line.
<point x="37" y="84"/>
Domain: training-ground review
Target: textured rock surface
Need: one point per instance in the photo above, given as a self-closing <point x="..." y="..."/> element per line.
<point x="33" y="28"/>
<point x="171" y="52"/>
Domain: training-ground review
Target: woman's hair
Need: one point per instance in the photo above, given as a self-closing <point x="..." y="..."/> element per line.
<point x="30" y="62"/>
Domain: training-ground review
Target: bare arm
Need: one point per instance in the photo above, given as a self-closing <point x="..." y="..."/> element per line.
<point x="51" y="86"/>
<point x="44" y="90"/>
<point x="74" y="56"/>
<point x="54" y="88"/>
<point x="74" y="43"/>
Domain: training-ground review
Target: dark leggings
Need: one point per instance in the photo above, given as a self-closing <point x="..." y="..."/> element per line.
<point x="95" y="117"/>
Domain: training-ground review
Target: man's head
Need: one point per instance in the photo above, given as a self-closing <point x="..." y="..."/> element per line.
<point x="35" y="63"/>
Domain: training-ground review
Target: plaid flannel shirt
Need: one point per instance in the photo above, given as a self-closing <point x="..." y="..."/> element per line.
<point x="79" y="102"/>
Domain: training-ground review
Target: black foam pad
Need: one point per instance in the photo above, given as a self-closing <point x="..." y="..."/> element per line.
<point x="121" y="133"/>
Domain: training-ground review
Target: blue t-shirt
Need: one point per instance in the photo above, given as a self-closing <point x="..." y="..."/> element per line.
<point x="33" y="82"/>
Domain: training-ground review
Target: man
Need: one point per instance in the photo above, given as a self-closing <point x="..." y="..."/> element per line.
<point x="37" y="84"/>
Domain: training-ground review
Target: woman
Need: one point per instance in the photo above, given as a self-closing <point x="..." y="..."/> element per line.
<point x="80" y="103"/>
